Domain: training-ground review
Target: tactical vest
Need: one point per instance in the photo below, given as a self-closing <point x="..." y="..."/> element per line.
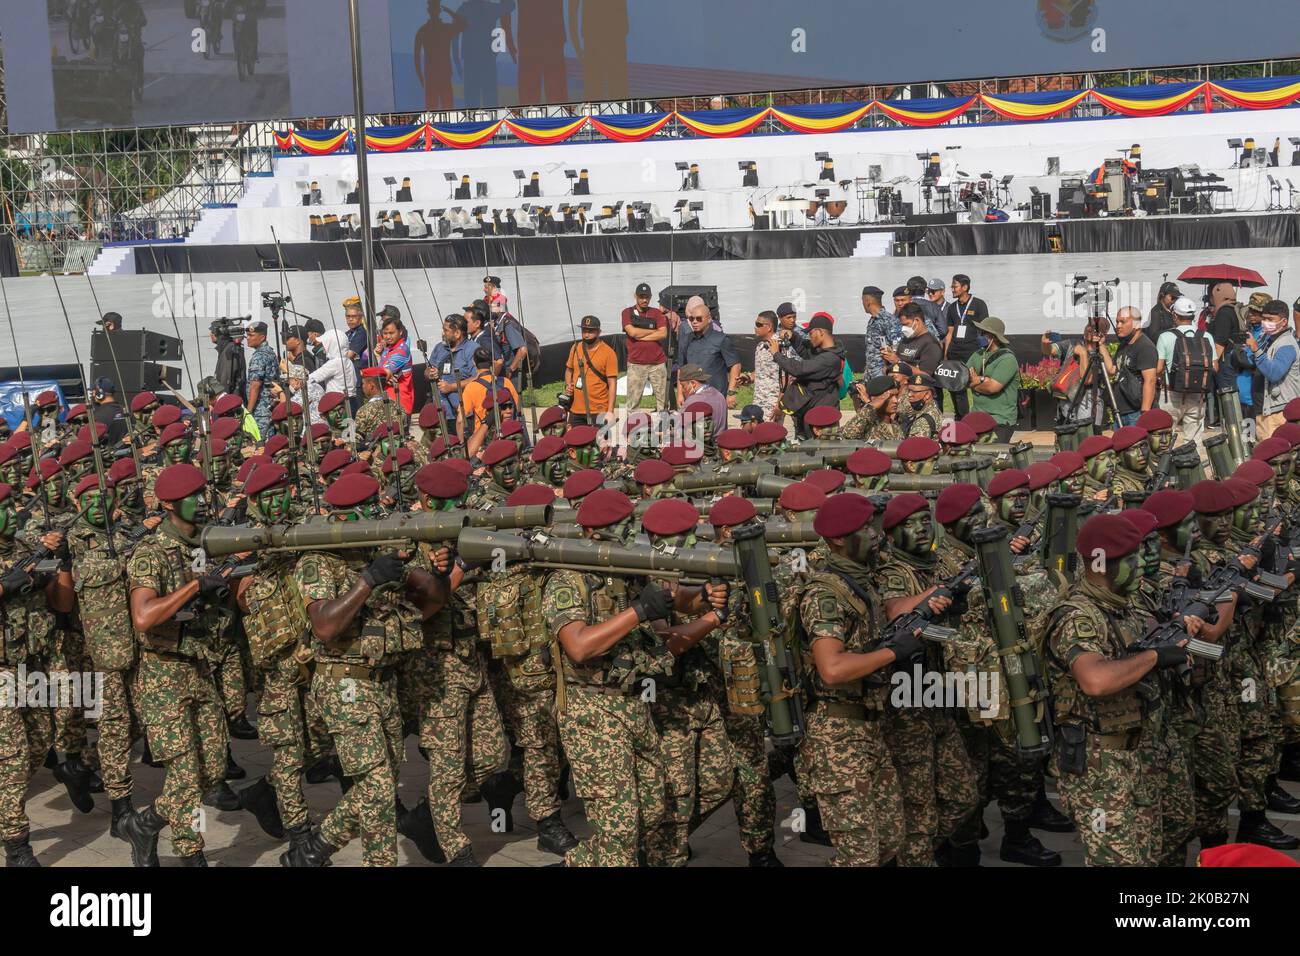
<point x="28" y="627"/>
<point x="509" y="606"/>
<point x="640" y="653"/>
<point x="387" y="625"/>
<point x="188" y="633"/>
<point x="103" y="595"/>
<point x="863" y="637"/>
<point x="1118" y="713"/>
<point x="277" y="615"/>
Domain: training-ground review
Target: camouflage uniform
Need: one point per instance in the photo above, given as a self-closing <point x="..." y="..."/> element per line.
<point x="488" y="496"/>
<point x="1113" y="797"/>
<point x="868" y="427"/>
<point x="934" y="771"/>
<point x="372" y="414"/>
<point x="844" y="754"/>
<point x="605" y="724"/>
<point x="354" y="687"/>
<point x="24" y="731"/>
<point x="1126" y="480"/>
<point x="103" y="600"/>
<point x="925" y="421"/>
<point x="1218" y="735"/>
<point x="175" y="691"/>
<point x="1255" y="697"/>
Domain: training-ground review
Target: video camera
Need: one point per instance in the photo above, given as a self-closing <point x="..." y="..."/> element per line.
<point x="1098" y="296"/>
<point x="229" y="328"/>
<point x="275" y="301"/>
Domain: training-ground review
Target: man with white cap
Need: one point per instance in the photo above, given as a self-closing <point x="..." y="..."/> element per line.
<point x="1185" y="370"/>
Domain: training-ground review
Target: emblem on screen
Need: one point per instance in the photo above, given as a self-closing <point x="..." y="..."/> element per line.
<point x="1066" y="20"/>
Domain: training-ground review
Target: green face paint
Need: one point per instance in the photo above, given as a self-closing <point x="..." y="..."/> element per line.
<point x="1101" y="467"/>
<point x="1012" y="506"/>
<point x="96" y="508"/>
<point x="1137" y="457"/>
<point x="863" y="546"/>
<point x="1245" y="518"/>
<point x="586" y="455"/>
<point x="272" y="504"/>
<point x="916" y="534"/>
<point x="1160" y="441"/>
<point x="506" y="473"/>
<point x="1184" y="532"/>
<point x="923" y="467"/>
<point x="673" y="542"/>
<point x="54" y="491"/>
<point x="1215" y="528"/>
<point x="336" y="419"/>
<point x="1074" y="484"/>
<point x="975" y="519"/>
<point x="1126" y="574"/>
<point x="178" y="451"/>
<point x="193" y="510"/>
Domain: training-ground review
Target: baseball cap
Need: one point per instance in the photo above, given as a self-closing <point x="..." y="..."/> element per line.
<point x="258" y="327"/>
<point x="295" y="332"/>
<point x="935" y="285"/>
<point x="590" y="322"/>
<point x="691" y="373"/>
<point x="643" y="289"/>
<point x="1184" y="306"/>
<point x="751" y="413"/>
<point x="1170" y="288"/>
<point x="390" y="312"/>
<point x="821" y="321"/>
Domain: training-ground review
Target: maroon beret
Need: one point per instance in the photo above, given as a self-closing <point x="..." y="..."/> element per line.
<point x="1169" y="507"/>
<point x="1069" y="463"/>
<point x="460" y="464"/>
<point x="268" y="475"/>
<point x="218" y="447"/>
<point x="332" y="400"/>
<point x="1290" y="432"/>
<point x="1243" y="492"/>
<point x="230" y="403"/>
<point x="348" y="491"/>
<point x="45" y="468"/>
<point x="829" y="480"/>
<point x="652" y="471"/>
<point x="1292" y="410"/>
<point x="47" y="398"/>
<point x="122" y="470"/>
<point x="356" y="468"/>
<point x="1155" y="419"/>
<point x="86" y="483"/>
<point x="278" y="413"/>
<point x="174" y="432"/>
<point x="381" y="431"/>
<point x="78" y="450"/>
<point x="698" y="408"/>
<point x="335" y="460"/>
<point x="499" y="451"/>
<point x="527" y="495"/>
<point x="1094" y="445"/>
<point x="1144" y="521"/>
<point x="821" y="416"/>
<point x="1041" y="474"/>
<point x="511" y="427"/>
<point x="604" y="507"/>
<point x="917" y="448"/>
<point x="955" y="502"/>
<point x="438" y="481"/>
<point x="403" y="456"/>
<point x="438" y="447"/>
<point x="772" y="433"/>
<point x="1007" y="480"/>
<point x="1209" y="497"/>
<point x="731" y="510"/>
<point x="1127" y="437"/>
<point x="163" y="416"/>
<point x="497" y="398"/>
<point x="1254" y="471"/>
<point x="276" y="444"/>
<point x="83" y="433"/>
<point x="580" y="435"/>
<point x="902" y="507"/>
<point x="8" y="452"/>
<point x="801" y="496"/>
<point x="224" y="428"/>
<point x="142" y="401"/>
<point x="428" y="415"/>
<point x="178" y="481"/>
<point x="678" y="455"/>
<point x="76" y="411"/>
<point x="547" y="448"/>
<point x="1271" y="448"/>
<point x="958" y="433"/>
<point x="843" y="515"/>
<point x="582" y="483"/>
<point x="320" y="430"/>
<point x="21" y="441"/>
<point x="981" y="423"/>
<point x="734" y="439"/>
<point x="868" y="463"/>
<point x="1110" y="534"/>
<point x="670" y="516"/>
<point x="246" y="469"/>
<point x="552" y="416"/>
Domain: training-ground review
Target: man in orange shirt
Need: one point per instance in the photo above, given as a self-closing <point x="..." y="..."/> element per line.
<point x="478" y="418"/>
<point x="591" y="377"/>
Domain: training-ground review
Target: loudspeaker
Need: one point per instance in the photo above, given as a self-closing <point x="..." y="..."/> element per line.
<point x="763" y="222"/>
<point x="135" y="346"/>
<point x="1040" y="206"/>
<point x="137" y="377"/>
<point x="673" y="298"/>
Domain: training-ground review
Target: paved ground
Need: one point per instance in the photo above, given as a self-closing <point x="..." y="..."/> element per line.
<point x="64" y="837"/>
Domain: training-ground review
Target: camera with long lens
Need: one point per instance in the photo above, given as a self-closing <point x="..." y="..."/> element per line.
<point x="236" y="328"/>
<point x="275" y="301"/>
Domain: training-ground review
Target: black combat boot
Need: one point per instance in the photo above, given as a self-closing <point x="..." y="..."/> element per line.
<point x="417" y="826"/>
<point x="241" y="729"/>
<point x="763" y="858"/>
<point x="1256" y="828"/>
<point x="1044" y="816"/>
<point x="500" y="790"/>
<point x="311" y="852"/>
<point x="259" y="800"/>
<point x="813" y="831"/>
<point x="233" y="770"/>
<point x="1021" y="846"/>
<point x="18" y="852"/>
<point x="464" y="858"/>
<point x="92" y="773"/>
<point x="298" y="835"/>
<point x="1279" y="798"/>
<point x="553" y="836"/>
<point x="75" y="775"/>
<point x="141" y="830"/>
<point x="221" y="797"/>
<point x="1290" y="768"/>
<point x="121" y="810"/>
<point x="198" y="859"/>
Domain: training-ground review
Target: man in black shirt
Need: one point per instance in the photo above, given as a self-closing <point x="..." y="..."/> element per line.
<point x="1161" y="317"/>
<point x="231" y="371"/>
<point x="107" y="411"/>
<point x="1133" y="369"/>
<point x="1224" y="325"/>
<point x="963" y="338"/>
<point x="919" y="348"/>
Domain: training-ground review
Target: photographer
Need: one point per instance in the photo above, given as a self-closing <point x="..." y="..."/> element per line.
<point x="1133" y="369"/>
<point x="231" y="371"/>
<point x="815" y="379"/>
<point x="1278" y="359"/>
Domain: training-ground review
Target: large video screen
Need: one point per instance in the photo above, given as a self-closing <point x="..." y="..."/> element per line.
<point x="84" y="64"/>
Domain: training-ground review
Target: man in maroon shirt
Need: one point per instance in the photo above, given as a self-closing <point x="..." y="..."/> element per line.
<point x="646" y="330"/>
<point x="541" y="52"/>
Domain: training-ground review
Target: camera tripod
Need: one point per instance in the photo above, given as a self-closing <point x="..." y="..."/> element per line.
<point x="1094" y="374"/>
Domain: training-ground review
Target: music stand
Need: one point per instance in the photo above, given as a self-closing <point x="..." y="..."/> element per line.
<point x="451" y="184"/>
<point x="1274" y="194"/>
<point x="1004" y="187"/>
<point x="1295" y="154"/>
<point x="572" y="176"/>
<point x="1236" y="146"/>
<point x="519" y="177"/>
<point x="685" y="170"/>
<point x="390" y="182"/>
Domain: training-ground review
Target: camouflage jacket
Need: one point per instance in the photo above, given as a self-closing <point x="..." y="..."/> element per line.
<point x="867" y="426"/>
<point x="374" y="413"/>
<point x="103" y="596"/>
<point x="163" y="563"/>
<point x="28" y="622"/>
<point x="902" y="576"/>
<point x="829" y="609"/>
<point x="925" y="422"/>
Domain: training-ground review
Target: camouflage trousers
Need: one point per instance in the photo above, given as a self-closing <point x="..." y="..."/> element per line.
<point x="117" y="733"/>
<point x="24" y="740"/>
<point x="618" y="771"/>
<point x="1258" y="758"/>
<point x="848" y="766"/>
<point x="698" y="770"/>
<point x="1115" y="805"/>
<point x="296" y="737"/>
<point x="228" y="672"/>
<point x="1171" y="761"/>
<point x="1001" y="774"/>
<point x="460" y="726"/>
<point x="528" y="693"/>
<point x="753" y="795"/>
<point x="1215" y="752"/>
<point x="69" y="656"/>
<point x="935" y="775"/>
<point x="187" y="734"/>
<point x="363" y="718"/>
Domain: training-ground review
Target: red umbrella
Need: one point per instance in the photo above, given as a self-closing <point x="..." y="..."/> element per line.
<point x="1224" y="273"/>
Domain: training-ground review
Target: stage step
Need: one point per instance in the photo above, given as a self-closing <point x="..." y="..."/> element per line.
<point x="873" y="245"/>
<point x="216" y="226"/>
<point x="113" y="261"/>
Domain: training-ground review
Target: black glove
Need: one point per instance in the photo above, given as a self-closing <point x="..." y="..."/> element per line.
<point x="1171" y="655"/>
<point x="385" y="569"/>
<point x="654" y="604"/>
<point x="213" y="586"/>
<point x="16" y="581"/>
<point x="905" y="645"/>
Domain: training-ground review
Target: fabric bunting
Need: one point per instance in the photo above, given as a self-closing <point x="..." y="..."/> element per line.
<point x="1034" y="106"/>
<point x="821" y="117"/>
<point x="322" y="142"/>
<point x="465" y="135"/>
<point x="1259" y="94"/>
<point x="543" y="132"/>
<point x="631" y="127"/>
<point x="1153" y="100"/>
<point x="393" y="139"/>
<point x="930" y="112"/>
<point x="723" y="123"/>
